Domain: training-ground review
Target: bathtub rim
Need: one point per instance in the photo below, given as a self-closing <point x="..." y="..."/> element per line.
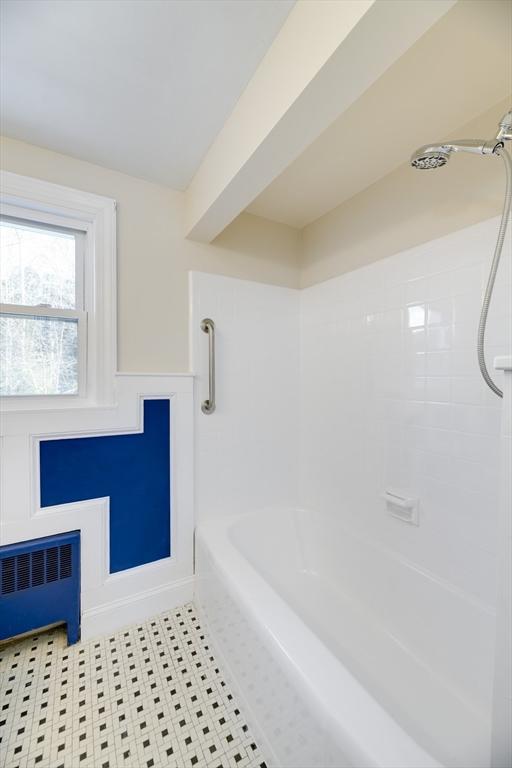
<point x="368" y="739"/>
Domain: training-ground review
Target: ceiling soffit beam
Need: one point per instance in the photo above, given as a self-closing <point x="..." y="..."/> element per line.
<point x="325" y="56"/>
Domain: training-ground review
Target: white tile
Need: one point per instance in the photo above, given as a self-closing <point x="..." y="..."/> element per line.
<point x="466" y="308"/>
<point x="439" y="312"/>
<point x="466" y="280"/>
<point x="416" y="290"/>
<point x="476" y="447"/>
<point x="437" y="389"/>
<point x="438" y="287"/>
<point x="416" y="340"/>
<point x="466" y="389"/>
<point x="439" y="415"/>
<point x="438" y="362"/>
<point x="414" y="388"/>
<point x="416" y="316"/>
<point x="462" y="362"/>
<point x="477" y="419"/>
<point x="464" y="335"/>
<point x="439" y="338"/>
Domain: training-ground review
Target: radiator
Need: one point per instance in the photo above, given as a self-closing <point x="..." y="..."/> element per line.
<point x="40" y="585"/>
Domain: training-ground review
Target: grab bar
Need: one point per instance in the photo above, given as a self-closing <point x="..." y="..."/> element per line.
<point x="208" y="326"/>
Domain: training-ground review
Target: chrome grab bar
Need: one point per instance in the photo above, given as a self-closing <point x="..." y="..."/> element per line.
<point x="208" y="326"/>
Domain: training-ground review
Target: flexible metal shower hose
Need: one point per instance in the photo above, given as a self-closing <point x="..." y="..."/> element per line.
<point x="492" y="275"/>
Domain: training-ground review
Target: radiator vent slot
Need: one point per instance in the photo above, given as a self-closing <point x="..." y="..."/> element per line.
<point x="8" y="578"/>
<point x="38" y="568"/>
<point x="33" y="569"/>
<point x="65" y="561"/>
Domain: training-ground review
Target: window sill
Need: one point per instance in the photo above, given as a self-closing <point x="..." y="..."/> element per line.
<point x="48" y="403"/>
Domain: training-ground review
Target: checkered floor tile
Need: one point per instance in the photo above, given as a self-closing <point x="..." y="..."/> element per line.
<point x="149" y="696"/>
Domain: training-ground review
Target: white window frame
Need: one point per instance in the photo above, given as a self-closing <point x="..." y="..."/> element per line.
<point x="39" y="201"/>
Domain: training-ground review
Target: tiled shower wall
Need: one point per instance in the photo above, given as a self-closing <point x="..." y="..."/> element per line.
<point x="391" y="397"/>
<point x="387" y="395"/>
<point x="246" y="453"/>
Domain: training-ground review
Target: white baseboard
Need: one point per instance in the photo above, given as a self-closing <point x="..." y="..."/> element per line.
<point x="110" y="617"/>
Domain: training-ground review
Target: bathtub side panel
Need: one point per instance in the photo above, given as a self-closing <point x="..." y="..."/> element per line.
<point x="289" y="730"/>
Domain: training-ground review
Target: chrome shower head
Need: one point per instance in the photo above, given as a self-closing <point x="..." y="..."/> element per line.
<point x="428" y="158"/>
<point x="437" y="155"/>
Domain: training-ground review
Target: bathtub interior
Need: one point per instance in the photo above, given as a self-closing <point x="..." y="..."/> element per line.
<point x="421" y="648"/>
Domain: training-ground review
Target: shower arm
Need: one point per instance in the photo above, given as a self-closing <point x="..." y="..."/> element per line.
<point x="474" y="146"/>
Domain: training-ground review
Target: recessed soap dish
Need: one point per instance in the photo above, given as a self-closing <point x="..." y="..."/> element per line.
<point x="405" y="508"/>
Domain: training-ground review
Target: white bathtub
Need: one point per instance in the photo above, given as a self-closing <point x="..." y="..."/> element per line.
<point x="342" y="654"/>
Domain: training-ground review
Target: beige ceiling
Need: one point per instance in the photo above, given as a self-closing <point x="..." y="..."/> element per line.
<point x="457" y="70"/>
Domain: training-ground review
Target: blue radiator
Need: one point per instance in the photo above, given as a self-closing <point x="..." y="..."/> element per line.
<point x="40" y="585"/>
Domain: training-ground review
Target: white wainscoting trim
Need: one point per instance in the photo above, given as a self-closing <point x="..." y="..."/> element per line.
<point x="108" y="601"/>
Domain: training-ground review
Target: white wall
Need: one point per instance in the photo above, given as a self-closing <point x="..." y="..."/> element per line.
<point x="246" y="452"/>
<point x="392" y="397"/>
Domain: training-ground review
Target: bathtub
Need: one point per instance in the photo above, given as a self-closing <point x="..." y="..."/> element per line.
<point x="342" y="653"/>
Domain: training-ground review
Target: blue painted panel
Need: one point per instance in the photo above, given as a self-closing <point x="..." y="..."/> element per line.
<point x="134" y="470"/>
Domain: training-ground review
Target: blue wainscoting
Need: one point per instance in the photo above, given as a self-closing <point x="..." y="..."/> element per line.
<point x="133" y="470"/>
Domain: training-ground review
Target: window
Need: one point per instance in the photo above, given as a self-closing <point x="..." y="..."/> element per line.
<point x="57" y="296"/>
<point x="43" y="324"/>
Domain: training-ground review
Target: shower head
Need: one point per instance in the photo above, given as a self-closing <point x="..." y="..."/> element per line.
<point x="435" y="156"/>
<point x="427" y="158"/>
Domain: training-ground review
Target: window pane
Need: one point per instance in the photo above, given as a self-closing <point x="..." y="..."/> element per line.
<point x="38" y="356"/>
<point x="37" y="266"/>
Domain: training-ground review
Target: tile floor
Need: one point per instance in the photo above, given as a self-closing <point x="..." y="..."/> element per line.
<point x="149" y="696"/>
